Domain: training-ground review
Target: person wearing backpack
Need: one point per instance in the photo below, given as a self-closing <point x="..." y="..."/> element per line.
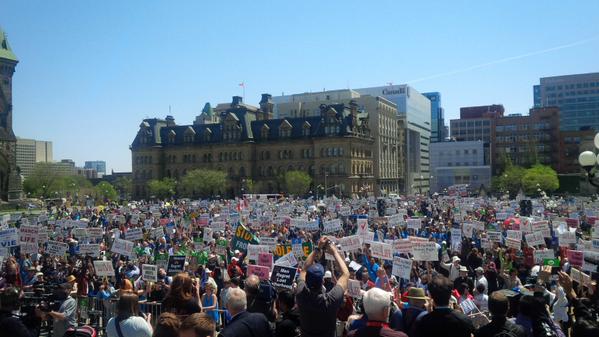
<point x="499" y="326"/>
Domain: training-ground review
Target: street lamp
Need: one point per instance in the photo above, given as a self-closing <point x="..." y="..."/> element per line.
<point x="589" y="160"/>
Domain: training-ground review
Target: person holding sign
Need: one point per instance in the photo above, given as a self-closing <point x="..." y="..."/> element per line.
<point x="183" y="297"/>
<point x="318" y="308"/>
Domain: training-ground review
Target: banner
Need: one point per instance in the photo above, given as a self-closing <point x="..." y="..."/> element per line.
<point x="149" y="272"/>
<point x="104" y="268"/>
<point x="402" y="268"/>
<point x="381" y="250"/>
<point x="541" y="255"/>
<point x="350" y="243"/>
<point x="494" y="236"/>
<point x="94" y="233"/>
<point x="262" y="272"/>
<point x="242" y="238"/>
<point x="282" y="277"/>
<point x="515" y="235"/>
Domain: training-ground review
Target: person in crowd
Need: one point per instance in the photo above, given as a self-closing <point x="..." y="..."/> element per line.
<point x="377" y="306"/>
<point x="481" y="299"/>
<point x="198" y="325"/>
<point x="382" y="280"/>
<point x="511" y="280"/>
<point x="442" y="320"/>
<point x="244" y="323"/>
<point x="328" y="280"/>
<point x="127" y="322"/>
<point x="463" y="278"/>
<point x="317" y="308"/>
<point x="499" y="326"/>
<point x="534" y="318"/>
<point x="479" y="278"/>
<point x="10" y="324"/>
<point x="288" y="322"/>
<point x="210" y="301"/>
<point x="66" y="316"/>
<point x="167" y="325"/>
<point x="260" y="296"/>
<point x="183" y="296"/>
<point x="414" y="310"/>
<point x="453" y="268"/>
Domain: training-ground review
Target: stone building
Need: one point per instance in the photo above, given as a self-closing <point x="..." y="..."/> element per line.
<point x="335" y="148"/>
<point x="10" y="181"/>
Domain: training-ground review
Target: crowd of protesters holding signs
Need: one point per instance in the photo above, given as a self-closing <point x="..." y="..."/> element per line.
<point x="413" y="266"/>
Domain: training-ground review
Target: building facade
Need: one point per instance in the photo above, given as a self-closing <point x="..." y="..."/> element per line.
<point x="577" y="97"/>
<point x="416" y="109"/>
<point x="334" y="148"/>
<point x="10" y="180"/>
<point x="476" y="123"/>
<point x="459" y="163"/>
<point x="99" y="166"/>
<point x="389" y="137"/>
<point x="438" y="129"/>
<point x="31" y="151"/>
<point x="526" y="140"/>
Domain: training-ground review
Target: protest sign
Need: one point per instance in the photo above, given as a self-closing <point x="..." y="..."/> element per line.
<point x="176" y="264"/>
<point x="123" y="247"/>
<point x="350" y="243"/>
<point x="575" y="257"/>
<point x="414" y="223"/>
<point x="541" y="255"/>
<point x="535" y="239"/>
<point x="134" y="234"/>
<point x="282" y="277"/>
<point x="94" y="233"/>
<point x="494" y="236"/>
<point x="514" y="234"/>
<point x="157" y="232"/>
<point x="28" y="234"/>
<point x="382" y="250"/>
<point x="9" y="238"/>
<point x="218" y="226"/>
<point x="56" y="248"/>
<point x="149" y="272"/>
<point x="566" y="238"/>
<point x="29" y="247"/>
<point x="287" y="260"/>
<point x="332" y="226"/>
<point x="402" y="268"/>
<point x="353" y="288"/>
<point x="425" y="251"/>
<point x="89" y="249"/>
<point x="242" y="238"/>
<point x="254" y="250"/>
<point x="513" y="243"/>
<point x="262" y="272"/>
<point x="403" y="246"/>
<point x="265" y="259"/>
<point x="104" y="268"/>
<point x="208" y="235"/>
<point x="467" y="229"/>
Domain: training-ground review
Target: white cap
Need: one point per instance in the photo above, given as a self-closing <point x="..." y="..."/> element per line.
<point x="327" y="274"/>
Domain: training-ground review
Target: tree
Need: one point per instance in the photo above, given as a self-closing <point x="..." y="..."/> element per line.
<point x="510" y="180"/>
<point x="297" y="182"/>
<point x="49" y="181"/>
<point x="105" y="191"/>
<point x="162" y="189"/>
<point x="124" y="185"/>
<point x="203" y="183"/>
<point x="540" y="177"/>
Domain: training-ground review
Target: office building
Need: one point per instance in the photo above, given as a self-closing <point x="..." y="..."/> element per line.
<point x="438" y="128"/>
<point x="383" y="122"/>
<point x="459" y="163"/>
<point x="476" y="123"/>
<point x="576" y="96"/>
<point x="10" y="181"/>
<point x="98" y="165"/>
<point x="526" y="140"/>
<point x="416" y="109"/>
<point x="335" y="148"/>
<point x="31" y="151"/>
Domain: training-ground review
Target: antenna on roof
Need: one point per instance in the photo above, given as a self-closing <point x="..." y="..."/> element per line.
<point x="169" y="109"/>
<point x="390" y="84"/>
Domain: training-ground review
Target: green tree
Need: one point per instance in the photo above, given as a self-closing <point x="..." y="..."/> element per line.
<point x="43" y="182"/>
<point x="510" y="180"/>
<point x="105" y="191"/>
<point x="540" y="176"/>
<point x="297" y="182"/>
<point x="162" y="189"/>
<point x="203" y="183"/>
<point x="124" y="185"/>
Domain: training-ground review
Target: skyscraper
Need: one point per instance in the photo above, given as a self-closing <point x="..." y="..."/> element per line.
<point x="437" y="117"/>
<point x="98" y="165"/>
<point x="577" y="97"/>
<point x="31" y="151"/>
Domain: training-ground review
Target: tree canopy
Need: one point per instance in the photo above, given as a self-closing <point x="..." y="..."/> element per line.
<point x="163" y="188"/>
<point x="297" y="182"/>
<point x="203" y="183"/>
<point x="516" y="178"/>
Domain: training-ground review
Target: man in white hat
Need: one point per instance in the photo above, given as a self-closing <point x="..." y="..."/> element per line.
<point x="453" y="268"/>
<point x="481" y="279"/>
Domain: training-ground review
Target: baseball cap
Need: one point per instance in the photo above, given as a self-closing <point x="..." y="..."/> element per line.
<point x="328" y="274"/>
<point x="314" y="275"/>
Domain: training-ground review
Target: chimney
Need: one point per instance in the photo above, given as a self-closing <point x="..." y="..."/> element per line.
<point x="237" y="100"/>
<point x="170" y="120"/>
<point x="353" y="107"/>
<point x="266" y="104"/>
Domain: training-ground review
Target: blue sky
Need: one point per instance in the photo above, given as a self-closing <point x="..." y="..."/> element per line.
<point x="90" y="71"/>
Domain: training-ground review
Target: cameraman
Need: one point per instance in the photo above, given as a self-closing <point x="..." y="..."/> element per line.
<point x="10" y="324"/>
<point x="66" y="316"/>
<point x="260" y="297"/>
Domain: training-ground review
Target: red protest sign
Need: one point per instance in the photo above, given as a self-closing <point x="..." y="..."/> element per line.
<point x="265" y="259"/>
<point x="262" y="272"/>
<point x="575" y="257"/>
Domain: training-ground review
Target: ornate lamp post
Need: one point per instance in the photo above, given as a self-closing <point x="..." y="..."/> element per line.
<point x="589" y="160"/>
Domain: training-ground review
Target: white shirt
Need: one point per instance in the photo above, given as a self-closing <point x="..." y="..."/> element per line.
<point x="482" y="280"/>
<point x="133" y="326"/>
<point x="482" y="302"/>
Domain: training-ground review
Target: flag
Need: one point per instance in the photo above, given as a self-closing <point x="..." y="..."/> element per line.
<point x="551" y="262"/>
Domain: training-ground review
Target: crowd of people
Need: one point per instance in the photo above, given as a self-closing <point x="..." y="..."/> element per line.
<point x="412" y="266"/>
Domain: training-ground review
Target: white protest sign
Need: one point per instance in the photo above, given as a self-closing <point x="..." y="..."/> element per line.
<point x="157" y="232"/>
<point x="515" y="235"/>
<point x="566" y="238"/>
<point x="332" y="226"/>
<point x="104" y="268"/>
<point x="467" y="229"/>
<point x="362" y="230"/>
<point x="218" y="226"/>
<point x="9" y="238"/>
<point x="134" y="234"/>
<point x="535" y="239"/>
<point x="382" y="250"/>
<point x="287" y="260"/>
<point x="94" y="233"/>
<point x="29" y="234"/>
<point x="414" y="223"/>
<point x="353" y="288"/>
<point x="123" y="247"/>
<point x="149" y="272"/>
<point x="494" y="236"/>
<point x="29" y="247"/>
<point x="425" y="251"/>
<point x="402" y="268"/>
<point x="403" y="246"/>
<point x="350" y="243"/>
<point x="395" y="220"/>
<point x="254" y="250"/>
<point x="513" y="243"/>
<point x="56" y="248"/>
<point x="90" y="249"/>
<point x="540" y="255"/>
